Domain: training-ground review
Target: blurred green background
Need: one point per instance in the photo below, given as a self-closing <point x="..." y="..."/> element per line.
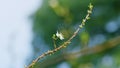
<point x="96" y="45"/>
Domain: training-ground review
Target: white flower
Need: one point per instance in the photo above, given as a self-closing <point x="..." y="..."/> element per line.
<point x="59" y="35"/>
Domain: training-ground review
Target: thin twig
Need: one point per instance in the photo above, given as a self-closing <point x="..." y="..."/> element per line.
<point x="107" y="45"/>
<point x="65" y="44"/>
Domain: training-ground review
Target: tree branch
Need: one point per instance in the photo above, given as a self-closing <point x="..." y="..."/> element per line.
<point x="110" y="44"/>
<point x="65" y="44"/>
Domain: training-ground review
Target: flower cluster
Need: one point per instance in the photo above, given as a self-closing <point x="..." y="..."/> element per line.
<point x="58" y="35"/>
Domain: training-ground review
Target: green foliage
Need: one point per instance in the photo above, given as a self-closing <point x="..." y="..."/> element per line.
<point x="66" y="15"/>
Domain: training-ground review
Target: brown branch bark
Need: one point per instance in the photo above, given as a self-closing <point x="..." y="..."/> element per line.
<point x="66" y="43"/>
<point x="110" y="44"/>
